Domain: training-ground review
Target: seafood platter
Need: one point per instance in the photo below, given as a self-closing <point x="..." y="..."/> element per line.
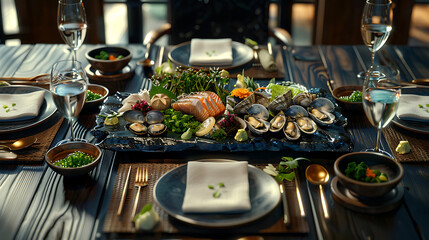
<point x="221" y="117"/>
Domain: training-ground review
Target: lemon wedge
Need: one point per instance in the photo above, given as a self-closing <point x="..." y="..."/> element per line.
<point x="205" y="127"/>
<point x="111" y="121"/>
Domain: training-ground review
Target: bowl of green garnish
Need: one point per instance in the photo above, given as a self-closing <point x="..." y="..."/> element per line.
<point x="95" y="96"/>
<point x="368" y="174"/>
<point x="108" y="59"/>
<point x="349" y="97"/>
<point x="73" y="159"/>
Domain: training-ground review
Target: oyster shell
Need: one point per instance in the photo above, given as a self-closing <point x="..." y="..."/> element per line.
<point x="320" y="117"/>
<point x="154" y="116"/>
<point x="281" y="103"/>
<point x="133" y="116"/>
<point x="259" y="111"/>
<point x="306" y="125"/>
<point x="291" y="130"/>
<point x="323" y="104"/>
<point x="255" y="98"/>
<point x="257" y="126"/>
<point x="304" y="99"/>
<point x="296" y="111"/>
<point x="157" y="129"/>
<point x="137" y="128"/>
<point x="278" y="122"/>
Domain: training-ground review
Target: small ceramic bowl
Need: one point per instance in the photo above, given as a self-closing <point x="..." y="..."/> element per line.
<point x="379" y="161"/>
<point x="346" y="91"/>
<point x="109" y="66"/>
<point x="95" y="88"/>
<point x="62" y="151"/>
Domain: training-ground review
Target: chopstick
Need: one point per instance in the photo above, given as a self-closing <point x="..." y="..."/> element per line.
<point x="124" y="193"/>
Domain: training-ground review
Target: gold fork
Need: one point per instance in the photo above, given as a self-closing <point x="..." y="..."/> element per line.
<point x="142" y="180"/>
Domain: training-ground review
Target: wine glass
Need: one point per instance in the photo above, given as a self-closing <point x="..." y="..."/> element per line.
<point x="68" y="87"/>
<point x="380" y="101"/>
<point x="71" y="21"/>
<point x="376" y="24"/>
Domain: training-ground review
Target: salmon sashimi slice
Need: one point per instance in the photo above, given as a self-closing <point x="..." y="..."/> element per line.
<point x="206" y="104"/>
<point x="201" y="105"/>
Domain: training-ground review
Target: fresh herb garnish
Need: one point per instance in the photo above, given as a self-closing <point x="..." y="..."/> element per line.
<point x="425" y="108"/>
<point x="145" y="209"/>
<point x="9" y="108"/>
<point x="217" y="189"/>
<point x="219" y="135"/>
<point x="178" y="122"/>
<point x="285" y="169"/>
<point x="362" y="172"/>
<point x="355" y="96"/>
<point x="91" y="96"/>
<point x="210" y="54"/>
<point x="75" y="159"/>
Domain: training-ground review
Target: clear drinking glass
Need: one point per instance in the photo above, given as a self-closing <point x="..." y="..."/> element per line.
<point x="380" y="101"/>
<point x="376" y="24"/>
<point x="71" y="21"/>
<point x="68" y="87"/>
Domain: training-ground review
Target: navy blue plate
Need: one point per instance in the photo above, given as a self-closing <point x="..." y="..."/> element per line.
<point x="169" y="193"/>
<point x="419" y="127"/>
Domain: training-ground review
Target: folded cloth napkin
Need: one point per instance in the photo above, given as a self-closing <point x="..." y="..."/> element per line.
<point x="211" y="52"/>
<point x="413" y="107"/>
<point x="18" y="107"/>
<point x="216" y="187"/>
<point x="267" y="61"/>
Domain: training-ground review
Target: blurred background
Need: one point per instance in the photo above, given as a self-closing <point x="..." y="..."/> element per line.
<point x="127" y="21"/>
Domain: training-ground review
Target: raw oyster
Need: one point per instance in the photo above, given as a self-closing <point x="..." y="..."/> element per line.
<point x="137" y="128"/>
<point x="306" y="125"/>
<point x="154" y="116"/>
<point x="281" y="103"/>
<point x="259" y="111"/>
<point x="304" y="99"/>
<point x="291" y="130"/>
<point x="134" y="116"/>
<point x="157" y="129"/>
<point x="278" y="122"/>
<point x="320" y="111"/>
<point x="257" y="126"/>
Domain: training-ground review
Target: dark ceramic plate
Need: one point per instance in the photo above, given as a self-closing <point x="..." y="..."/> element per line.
<point x="419" y="127"/>
<point x="264" y="194"/>
<point x="241" y="55"/>
<point x="47" y="109"/>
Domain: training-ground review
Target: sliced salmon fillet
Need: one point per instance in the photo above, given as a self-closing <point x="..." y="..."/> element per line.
<point x="200" y="104"/>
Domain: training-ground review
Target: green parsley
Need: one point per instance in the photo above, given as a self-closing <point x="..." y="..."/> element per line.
<point x="285" y="169"/>
<point x="217" y="189"/>
<point x="9" y="108"/>
<point x="355" y="96"/>
<point x="75" y="159"/>
<point x="425" y="108"/>
<point x="91" y="96"/>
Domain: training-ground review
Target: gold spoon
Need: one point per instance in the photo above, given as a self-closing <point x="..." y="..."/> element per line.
<point x="7" y="146"/>
<point x="318" y="175"/>
<point x="40" y="79"/>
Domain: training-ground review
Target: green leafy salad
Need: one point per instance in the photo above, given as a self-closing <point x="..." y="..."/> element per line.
<point x="362" y="172"/>
<point x="75" y="159"/>
<point x="91" y="96"/>
<point x="355" y="96"/>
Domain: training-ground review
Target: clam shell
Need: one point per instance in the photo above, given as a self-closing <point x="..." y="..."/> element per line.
<point x="134" y="116"/>
<point x="323" y="104"/>
<point x="288" y="135"/>
<point x="259" y="111"/>
<point x="254" y="98"/>
<point x="278" y="122"/>
<point x="281" y="103"/>
<point x="137" y="128"/>
<point x="157" y="129"/>
<point x="309" y="127"/>
<point x="259" y="131"/>
<point x="154" y="116"/>
<point x="328" y="118"/>
<point x="296" y="111"/>
<point x="303" y="99"/>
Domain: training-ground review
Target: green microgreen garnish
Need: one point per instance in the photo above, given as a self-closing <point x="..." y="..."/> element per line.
<point x="91" y="96"/>
<point x="217" y="189"/>
<point x="9" y="108"/>
<point x="216" y="194"/>
<point x="355" y="96"/>
<point x="75" y="159"/>
<point x="285" y="169"/>
<point x="210" y="53"/>
<point x="425" y="108"/>
<point x="178" y="122"/>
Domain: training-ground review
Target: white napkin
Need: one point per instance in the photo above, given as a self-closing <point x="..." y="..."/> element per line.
<point x="408" y="108"/>
<point x="211" y="52"/>
<point x="18" y="107"/>
<point x="234" y="195"/>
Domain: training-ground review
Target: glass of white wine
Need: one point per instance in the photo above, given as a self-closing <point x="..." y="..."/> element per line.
<point x="380" y="101"/>
<point x="376" y="25"/>
<point x="71" y="21"/>
<point x="68" y="87"/>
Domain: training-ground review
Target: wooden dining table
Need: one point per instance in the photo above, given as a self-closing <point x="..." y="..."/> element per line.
<point x="38" y="203"/>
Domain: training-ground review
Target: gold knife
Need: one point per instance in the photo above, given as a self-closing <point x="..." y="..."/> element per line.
<point x="124" y="193"/>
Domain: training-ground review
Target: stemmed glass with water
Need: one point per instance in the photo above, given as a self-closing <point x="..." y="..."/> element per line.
<point x="376" y="24"/>
<point x="68" y="87"/>
<point x="71" y="21"/>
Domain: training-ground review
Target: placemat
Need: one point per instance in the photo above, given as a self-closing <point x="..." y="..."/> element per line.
<point x="419" y="144"/>
<point x="270" y="224"/>
<point x="36" y="152"/>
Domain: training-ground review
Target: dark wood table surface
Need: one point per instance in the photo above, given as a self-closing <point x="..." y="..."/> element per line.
<point x="37" y="203"/>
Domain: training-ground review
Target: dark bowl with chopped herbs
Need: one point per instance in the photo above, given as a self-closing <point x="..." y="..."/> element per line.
<point x="73" y="159"/>
<point x="109" y="59"/>
<point x="349" y="97"/>
<point x="95" y="96"/>
<point x="368" y="174"/>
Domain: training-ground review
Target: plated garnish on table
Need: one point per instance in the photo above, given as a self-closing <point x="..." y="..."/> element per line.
<point x="247" y="117"/>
